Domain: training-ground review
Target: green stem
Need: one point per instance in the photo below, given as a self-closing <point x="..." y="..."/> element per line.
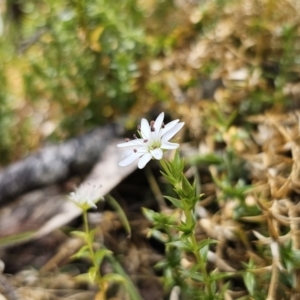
<point x="190" y="221"/>
<point x="89" y="242"/>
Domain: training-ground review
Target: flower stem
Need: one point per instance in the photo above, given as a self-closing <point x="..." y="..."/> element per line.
<point x="89" y="242"/>
<point x="200" y="262"/>
<point x="173" y="172"/>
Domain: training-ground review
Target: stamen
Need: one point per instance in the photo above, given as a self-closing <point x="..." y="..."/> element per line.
<point x="134" y="136"/>
<point x="127" y="140"/>
<point x="134" y="150"/>
<point x="145" y="141"/>
<point x="139" y="127"/>
<point x="163" y="125"/>
<point x="152" y="123"/>
<point x="152" y="128"/>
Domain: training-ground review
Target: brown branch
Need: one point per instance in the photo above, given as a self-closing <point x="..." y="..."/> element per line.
<point x="54" y="163"/>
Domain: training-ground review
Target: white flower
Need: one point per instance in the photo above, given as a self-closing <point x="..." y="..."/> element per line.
<point x="154" y="139"/>
<point x="86" y="195"/>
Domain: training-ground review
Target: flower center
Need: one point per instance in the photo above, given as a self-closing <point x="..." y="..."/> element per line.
<point x="154" y="145"/>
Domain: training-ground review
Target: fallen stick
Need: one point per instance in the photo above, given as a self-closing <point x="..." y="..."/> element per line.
<point x="55" y="163"/>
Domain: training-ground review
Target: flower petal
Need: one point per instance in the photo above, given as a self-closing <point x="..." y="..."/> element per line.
<point x="136" y="142"/>
<point x="85" y="196"/>
<point x="142" y="149"/>
<point x="157" y="153"/>
<point x="169" y="146"/>
<point x="158" y="122"/>
<point x="172" y="132"/>
<point x="129" y="159"/>
<point x="144" y="160"/>
<point x="145" y="129"/>
<point x="91" y="204"/>
<point x="127" y="152"/>
<point x="168" y="127"/>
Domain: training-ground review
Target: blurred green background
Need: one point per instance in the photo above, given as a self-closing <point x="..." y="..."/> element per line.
<point x="67" y="66"/>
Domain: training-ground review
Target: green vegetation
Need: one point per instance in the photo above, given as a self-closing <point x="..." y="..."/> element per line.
<point x="70" y="65"/>
<point x="229" y="69"/>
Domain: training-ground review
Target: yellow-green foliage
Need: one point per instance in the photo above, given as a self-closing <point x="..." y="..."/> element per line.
<point x="70" y="65"/>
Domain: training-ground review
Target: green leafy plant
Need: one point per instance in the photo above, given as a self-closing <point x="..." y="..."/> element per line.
<point x="179" y="236"/>
<point x="85" y="198"/>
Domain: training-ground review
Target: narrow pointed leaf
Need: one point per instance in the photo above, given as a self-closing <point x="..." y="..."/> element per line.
<point x="113" y="277"/>
<point x="176" y="202"/>
<point x="120" y="212"/>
